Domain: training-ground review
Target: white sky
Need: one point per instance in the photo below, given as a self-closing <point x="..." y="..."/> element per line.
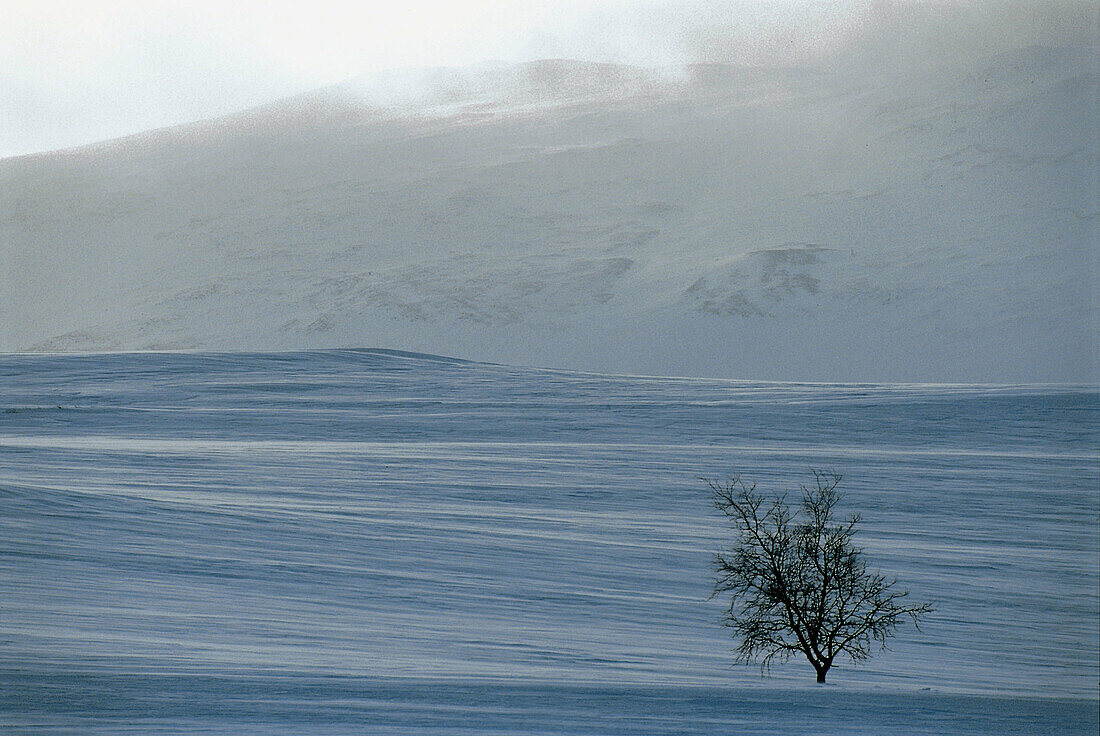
<point x="75" y="72"/>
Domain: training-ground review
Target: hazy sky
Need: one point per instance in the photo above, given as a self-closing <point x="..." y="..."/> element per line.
<point x="76" y="72"/>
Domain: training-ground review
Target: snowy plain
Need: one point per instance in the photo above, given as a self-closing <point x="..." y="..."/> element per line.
<point x="341" y="542"/>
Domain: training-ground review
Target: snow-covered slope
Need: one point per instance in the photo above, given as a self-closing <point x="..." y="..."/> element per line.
<point x="923" y="224"/>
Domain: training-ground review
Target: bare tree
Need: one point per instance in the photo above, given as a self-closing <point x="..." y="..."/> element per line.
<point x="798" y="584"/>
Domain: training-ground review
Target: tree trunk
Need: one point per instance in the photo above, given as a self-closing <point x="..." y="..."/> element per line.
<point x="821" y="672"/>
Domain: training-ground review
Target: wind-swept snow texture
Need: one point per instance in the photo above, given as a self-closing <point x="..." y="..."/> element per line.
<point x="930" y="222"/>
<point x="370" y="542"/>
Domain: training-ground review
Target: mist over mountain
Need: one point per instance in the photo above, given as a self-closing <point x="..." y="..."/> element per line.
<point x="843" y="221"/>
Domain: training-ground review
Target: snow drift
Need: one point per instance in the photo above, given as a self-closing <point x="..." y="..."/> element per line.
<point x="345" y="542"/>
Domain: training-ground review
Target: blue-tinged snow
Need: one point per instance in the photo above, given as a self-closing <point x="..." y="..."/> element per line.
<point x="374" y="542"/>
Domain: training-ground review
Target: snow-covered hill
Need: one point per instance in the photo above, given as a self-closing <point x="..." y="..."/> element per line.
<point x="838" y="223"/>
